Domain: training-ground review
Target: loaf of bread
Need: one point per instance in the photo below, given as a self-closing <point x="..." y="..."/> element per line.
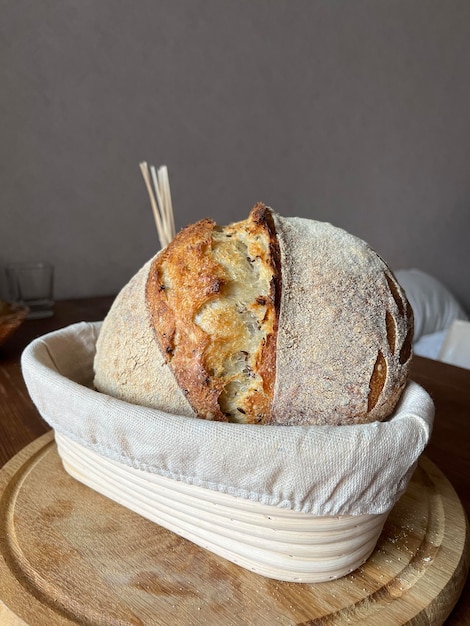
<point x="270" y="320"/>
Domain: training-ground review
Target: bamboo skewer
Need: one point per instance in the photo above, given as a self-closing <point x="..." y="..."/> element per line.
<point x="158" y="188"/>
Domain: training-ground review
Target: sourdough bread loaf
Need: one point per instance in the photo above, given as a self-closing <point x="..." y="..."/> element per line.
<point x="270" y="320"/>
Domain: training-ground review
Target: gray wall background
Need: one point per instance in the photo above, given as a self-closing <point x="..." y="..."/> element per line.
<point x="355" y="112"/>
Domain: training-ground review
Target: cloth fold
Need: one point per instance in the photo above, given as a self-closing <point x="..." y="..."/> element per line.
<point x="322" y="470"/>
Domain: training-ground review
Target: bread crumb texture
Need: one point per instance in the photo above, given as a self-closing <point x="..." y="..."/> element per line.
<point x="212" y="296"/>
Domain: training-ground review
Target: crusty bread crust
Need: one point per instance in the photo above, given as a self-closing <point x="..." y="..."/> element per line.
<point x="128" y="363"/>
<point x="270" y="320"/>
<point x="345" y="329"/>
<point x="212" y="295"/>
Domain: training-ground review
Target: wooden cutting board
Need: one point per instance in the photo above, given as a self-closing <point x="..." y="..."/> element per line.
<point x="70" y="555"/>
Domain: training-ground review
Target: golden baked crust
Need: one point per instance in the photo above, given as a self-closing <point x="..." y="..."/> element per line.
<point x="270" y="320"/>
<point x="214" y="298"/>
<point x="128" y="363"/>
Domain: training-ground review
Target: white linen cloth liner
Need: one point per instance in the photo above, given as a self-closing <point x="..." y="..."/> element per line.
<point x="323" y="470"/>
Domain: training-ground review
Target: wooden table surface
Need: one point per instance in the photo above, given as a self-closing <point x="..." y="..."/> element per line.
<point x="449" y="386"/>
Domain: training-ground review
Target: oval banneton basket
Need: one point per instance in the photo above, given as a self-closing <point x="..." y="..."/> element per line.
<point x="274" y="542"/>
<point x="300" y="504"/>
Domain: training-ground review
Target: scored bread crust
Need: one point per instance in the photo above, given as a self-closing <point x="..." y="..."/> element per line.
<point x="270" y="320"/>
<point x="345" y="330"/>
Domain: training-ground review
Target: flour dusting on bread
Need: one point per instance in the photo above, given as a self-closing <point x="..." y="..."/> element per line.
<point x="345" y="328"/>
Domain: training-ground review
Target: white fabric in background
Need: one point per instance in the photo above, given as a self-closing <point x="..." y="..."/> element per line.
<point x="455" y="348"/>
<point x="430" y="345"/>
<point x="323" y="470"/>
<point x="434" y="306"/>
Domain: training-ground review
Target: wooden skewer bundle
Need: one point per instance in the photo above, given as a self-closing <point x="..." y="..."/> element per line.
<point x="158" y="187"/>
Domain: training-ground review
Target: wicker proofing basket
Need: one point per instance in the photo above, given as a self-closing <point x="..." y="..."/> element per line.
<point x="99" y="445"/>
<point x="277" y="543"/>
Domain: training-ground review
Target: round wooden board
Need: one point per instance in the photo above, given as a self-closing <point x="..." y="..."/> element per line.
<point x="70" y="555"/>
